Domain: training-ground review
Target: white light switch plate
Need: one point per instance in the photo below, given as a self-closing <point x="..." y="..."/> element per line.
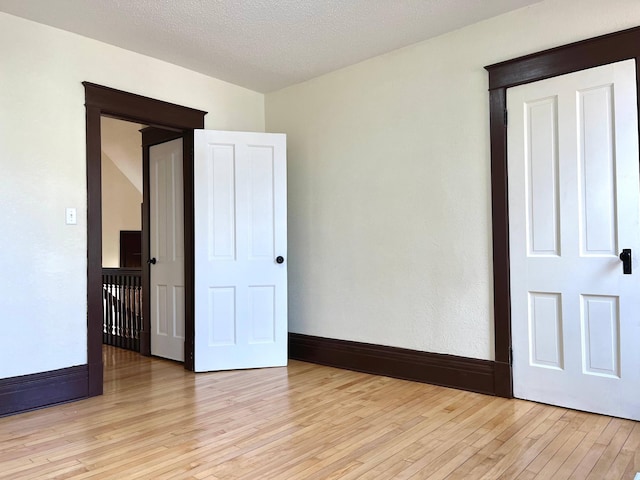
<point x="71" y="217"/>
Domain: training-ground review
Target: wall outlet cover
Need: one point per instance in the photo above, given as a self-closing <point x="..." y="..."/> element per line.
<point x="71" y="217"/>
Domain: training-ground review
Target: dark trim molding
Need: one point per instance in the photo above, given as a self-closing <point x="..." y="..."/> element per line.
<point x="573" y="57"/>
<point x="94" y="251"/>
<point x="189" y="253"/>
<point x="577" y="56"/>
<point x="105" y="101"/>
<point x="446" y="370"/>
<point x="29" y="392"/>
<point x="154" y="136"/>
<point x="129" y="106"/>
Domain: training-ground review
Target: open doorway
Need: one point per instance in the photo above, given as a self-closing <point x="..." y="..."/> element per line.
<point x="122" y="193"/>
<point x="142" y="177"/>
<point x="122" y="186"/>
<point x="103" y="101"/>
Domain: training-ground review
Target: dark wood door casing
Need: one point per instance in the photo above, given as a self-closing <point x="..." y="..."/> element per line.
<point x="570" y="58"/>
<point x="105" y="101"/>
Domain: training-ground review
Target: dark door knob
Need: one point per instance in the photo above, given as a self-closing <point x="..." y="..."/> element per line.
<point x="279" y="259"/>
<point x="152" y="261"/>
<point x="625" y="256"/>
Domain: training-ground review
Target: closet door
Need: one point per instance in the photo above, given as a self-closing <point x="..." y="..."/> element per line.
<point x="167" y="294"/>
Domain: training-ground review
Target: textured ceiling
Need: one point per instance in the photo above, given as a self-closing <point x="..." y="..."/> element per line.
<point x="263" y="45"/>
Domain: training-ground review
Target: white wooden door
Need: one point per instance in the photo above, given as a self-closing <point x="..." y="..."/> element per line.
<point x="240" y="250"/>
<point x="573" y="206"/>
<point x="167" y="248"/>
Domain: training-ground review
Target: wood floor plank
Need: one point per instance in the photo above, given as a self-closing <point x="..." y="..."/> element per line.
<point x="305" y="422"/>
<point x="592" y="427"/>
<point x="632" y="447"/>
<point x="539" y="443"/>
<point x="513" y="438"/>
<point x="560" y="456"/>
<point x="561" y="441"/>
<point x="605" y="462"/>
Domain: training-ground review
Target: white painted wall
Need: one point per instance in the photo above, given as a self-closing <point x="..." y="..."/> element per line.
<point x="120" y="209"/>
<point x="43" y="308"/>
<point x="389" y="182"/>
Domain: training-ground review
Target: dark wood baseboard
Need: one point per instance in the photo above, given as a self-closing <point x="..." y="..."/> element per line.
<point x="504" y="377"/>
<point x="446" y="370"/>
<point x="29" y="392"/>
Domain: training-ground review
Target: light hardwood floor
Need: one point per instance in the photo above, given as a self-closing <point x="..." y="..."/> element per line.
<point x="156" y="421"/>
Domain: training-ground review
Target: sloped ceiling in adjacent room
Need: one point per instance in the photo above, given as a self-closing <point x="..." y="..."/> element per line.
<point x="121" y="142"/>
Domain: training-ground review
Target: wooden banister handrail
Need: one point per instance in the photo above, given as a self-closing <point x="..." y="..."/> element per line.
<point x="122" y="307"/>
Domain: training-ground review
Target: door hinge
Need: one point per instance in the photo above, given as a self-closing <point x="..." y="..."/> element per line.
<point x="506" y="118"/>
<point x="510" y="356"/>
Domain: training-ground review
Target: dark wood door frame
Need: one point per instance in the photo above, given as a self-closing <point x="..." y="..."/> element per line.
<point x="104" y="101"/>
<point x="570" y="58"/>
